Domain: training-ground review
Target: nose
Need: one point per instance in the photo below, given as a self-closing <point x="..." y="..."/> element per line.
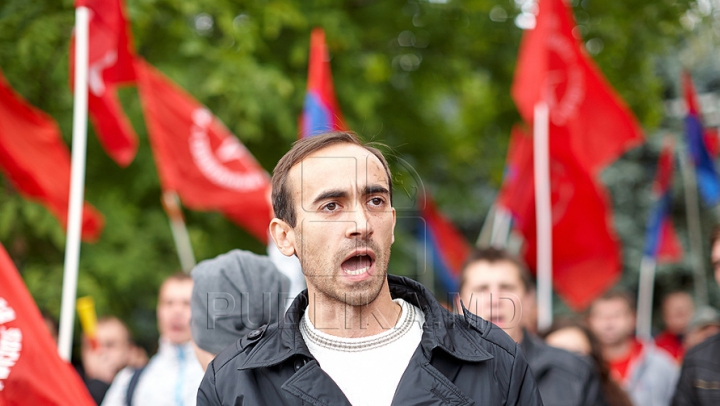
<point x="359" y="225"/>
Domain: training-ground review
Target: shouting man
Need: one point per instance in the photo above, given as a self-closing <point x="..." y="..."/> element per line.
<point x="358" y="335"/>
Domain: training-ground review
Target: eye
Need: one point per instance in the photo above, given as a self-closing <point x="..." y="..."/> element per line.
<point x="332" y="206"/>
<point x="376" y="201"/>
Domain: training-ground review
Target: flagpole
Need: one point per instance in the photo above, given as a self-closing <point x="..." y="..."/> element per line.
<point x="485" y="237"/>
<point x="543" y="213"/>
<point x="694" y="231"/>
<point x="501" y="228"/>
<point x="77" y="185"/>
<point x="171" y="204"/>
<point x="643" y="323"/>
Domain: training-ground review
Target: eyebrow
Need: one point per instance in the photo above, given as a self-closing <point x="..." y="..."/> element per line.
<point x="376" y="189"/>
<point x="339" y="193"/>
<point x="330" y="194"/>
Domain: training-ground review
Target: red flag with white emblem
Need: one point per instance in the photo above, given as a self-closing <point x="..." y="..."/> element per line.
<point x="31" y="370"/>
<point x="199" y="158"/>
<point x="554" y="67"/>
<point x="110" y="65"/>
<point x="36" y="161"/>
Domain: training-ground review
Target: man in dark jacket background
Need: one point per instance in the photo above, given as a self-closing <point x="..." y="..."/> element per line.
<point x="699" y="382"/>
<point x="358" y="336"/>
<point x="497" y="286"/>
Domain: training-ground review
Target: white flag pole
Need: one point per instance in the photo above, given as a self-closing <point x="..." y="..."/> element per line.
<point x="543" y="213"/>
<point x="643" y="324"/>
<point x="485" y="236"/>
<point x="501" y="228"/>
<point x="171" y="203"/>
<point x="77" y="185"/>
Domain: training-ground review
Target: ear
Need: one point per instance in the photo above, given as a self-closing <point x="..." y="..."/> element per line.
<point x="283" y="235"/>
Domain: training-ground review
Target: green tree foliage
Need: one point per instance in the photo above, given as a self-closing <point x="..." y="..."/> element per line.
<point x="429" y="78"/>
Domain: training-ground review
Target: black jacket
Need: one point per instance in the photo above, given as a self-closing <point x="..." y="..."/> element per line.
<point x="699" y="382"/>
<point x="562" y="378"/>
<point x="461" y="360"/>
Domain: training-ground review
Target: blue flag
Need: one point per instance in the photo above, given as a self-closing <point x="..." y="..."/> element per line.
<point x="707" y="176"/>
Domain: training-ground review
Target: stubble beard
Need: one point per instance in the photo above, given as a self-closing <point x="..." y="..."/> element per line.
<point x="325" y="278"/>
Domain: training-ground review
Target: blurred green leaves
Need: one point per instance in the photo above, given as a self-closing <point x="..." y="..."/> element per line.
<point x="430" y="80"/>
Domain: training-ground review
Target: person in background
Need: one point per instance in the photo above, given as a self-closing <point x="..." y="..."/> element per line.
<point x="704" y="324"/>
<point x="677" y="310"/>
<point x="646" y="372"/>
<point x="699" y="382"/>
<point x="529" y="316"/>
<point x="173" y="375"/>
<point x="494" y="285"/>
<point x="104" y="358"/>
<point x="234" y="293"/>
<point x="573" y="336"/>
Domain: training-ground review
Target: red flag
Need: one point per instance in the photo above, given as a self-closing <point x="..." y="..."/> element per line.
<point x="320" y="109"/>
<point x="36" y="161"/>
<point x="199" y="159"/>
<point x="554" y="67"/>
<point x="712" y="141"/>
<point x="31" y="371"/>
<point x="110" y="66"/>
<point x="670" y="249"/>
<point x="586" y="254"/>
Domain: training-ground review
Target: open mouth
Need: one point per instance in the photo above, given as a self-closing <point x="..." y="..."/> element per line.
<point x="358" y="263"/>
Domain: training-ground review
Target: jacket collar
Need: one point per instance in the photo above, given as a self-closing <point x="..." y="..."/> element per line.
<point x="442" y="329"/>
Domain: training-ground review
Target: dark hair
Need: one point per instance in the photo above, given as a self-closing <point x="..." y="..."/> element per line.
<point x="282" y="201"/>
<point x="494" y="255"/>
<point x="613" y="393"/>
<point x="615" y="293"/>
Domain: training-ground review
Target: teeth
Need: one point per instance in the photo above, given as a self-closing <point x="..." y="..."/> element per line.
<point x="356" y="272"/>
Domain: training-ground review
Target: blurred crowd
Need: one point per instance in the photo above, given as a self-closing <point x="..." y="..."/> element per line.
<point x="586" y="359"/>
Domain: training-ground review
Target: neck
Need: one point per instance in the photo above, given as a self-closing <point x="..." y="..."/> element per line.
<point x="337" y="318"/>
<point x="617" y="351"/>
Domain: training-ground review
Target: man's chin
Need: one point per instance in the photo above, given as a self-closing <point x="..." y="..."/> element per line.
<point x="363" y="293"/>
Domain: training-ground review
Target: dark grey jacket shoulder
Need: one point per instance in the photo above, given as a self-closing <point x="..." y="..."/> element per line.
<point x="461" y="360"/>
<point x="699" y="382"/>
<point x="563" y="378"/>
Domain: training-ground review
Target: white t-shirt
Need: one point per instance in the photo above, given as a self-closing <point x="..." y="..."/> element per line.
<point x="367" y="369"/>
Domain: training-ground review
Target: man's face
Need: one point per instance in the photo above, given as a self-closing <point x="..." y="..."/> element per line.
<point x="677" y="311"/>
<point x="715" y="258"/>
<point x="495" y="292"/>
<point x="612" y="321"/>
<point x="114" y="343"/>
<point x="345" y="223"/>
<point x="173" y="310"/>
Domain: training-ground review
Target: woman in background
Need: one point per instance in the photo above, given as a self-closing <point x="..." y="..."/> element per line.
<point x="573" y="336"/>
